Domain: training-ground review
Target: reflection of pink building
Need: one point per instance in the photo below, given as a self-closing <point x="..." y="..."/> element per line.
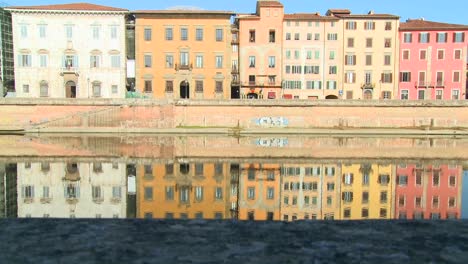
<point x="428" y="192"/>
<point x="432" y="60"/>
<point x="260" y="41"/>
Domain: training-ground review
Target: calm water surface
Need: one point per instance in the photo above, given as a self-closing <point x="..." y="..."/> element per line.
<point x="279" y="178"/>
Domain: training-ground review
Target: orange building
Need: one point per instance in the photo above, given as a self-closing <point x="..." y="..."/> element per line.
<point x="183" y="190"/>
<point x="183" y="53"/>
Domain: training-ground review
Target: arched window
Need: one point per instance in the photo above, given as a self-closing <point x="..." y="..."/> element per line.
<point x="97" y="89"/>
<point x="44" y="89"/>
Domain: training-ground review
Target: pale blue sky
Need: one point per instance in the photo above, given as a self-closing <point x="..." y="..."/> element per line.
<point x="450" y="11"/>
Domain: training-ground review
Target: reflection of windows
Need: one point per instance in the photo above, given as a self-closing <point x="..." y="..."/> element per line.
<point x="199" y="193"/>
<point x="383" y="179"/>
<point x="45" y="166"/>
<point x="169" y="169"/>
<point x="147" y="34"/>
<point x="199" y="34"/>
<point x="97" y="193"/>
<point x="184" y="195"/>
<point x="169" y="193"/>
<point x="24" y="60"/>
<point x="218" y="169"/>
<point x="148" y="193"/>
<point x="168" y="34"/>
<point x="251" y="193"/>
<point x="72" y="191"/>
<point x="347" y="197"/>
<point x="219" y="34"/>
<point x="402" y="180"/>
<point x="148" y="86"/>
<point x="28" y="192"/>
<point x="218" y="193"/>
<point x="44" y="89"/>
<point x="348" y="178"/>
<point x="199" y="168"/>
<point x="116" y="192"/>
<point x="383" y="197"/>
<point x="365" y="197"/>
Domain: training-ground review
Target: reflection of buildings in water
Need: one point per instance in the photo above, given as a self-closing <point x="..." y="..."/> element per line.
<point x="63" y="190"/>
<point x="259" y="192"/>
<point x="309" y="191"/>
<point x="8" y="194"/>
<point x="428" y="191"/>
<point x="183" y="190"/>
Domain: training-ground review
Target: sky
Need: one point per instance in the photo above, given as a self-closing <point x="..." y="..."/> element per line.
<point x="448" y="11"/>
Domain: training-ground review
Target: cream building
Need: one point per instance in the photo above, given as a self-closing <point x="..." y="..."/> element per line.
<point x="69" y="51"/>
<point x="69" y="190"/>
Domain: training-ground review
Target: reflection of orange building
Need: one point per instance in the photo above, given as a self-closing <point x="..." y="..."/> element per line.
<point x="428" y="191"/>
<point x="309" y="191"/>
<point x="259" y="192"/>
<point x="367" y="191"/>
<point x="184" y="190"/>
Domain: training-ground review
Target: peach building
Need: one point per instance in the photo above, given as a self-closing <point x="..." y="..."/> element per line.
<point x="370" y="54"/>
<point x="311" y="56"/>
<point x="260" y="49"/>
<point x="183" y="54"/>
<point x="433" y="60"/>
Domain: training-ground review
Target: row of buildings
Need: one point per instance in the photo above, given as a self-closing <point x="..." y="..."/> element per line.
<point x="86" y="50"/>
<point x="223" y="190"/>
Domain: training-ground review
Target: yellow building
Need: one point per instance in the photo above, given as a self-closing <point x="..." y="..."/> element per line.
<point x="183" y="54"/>
<point x="367" y="191"/>
<point x="184" y="191"/>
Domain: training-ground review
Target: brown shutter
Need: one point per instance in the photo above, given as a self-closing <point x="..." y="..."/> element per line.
<point x="391" y="77"/>
<point x="401" y="76"/>
<point x="347" y="25"/>
<point x="373" y="25"/>
<point x="419" y="37"/>
<point x="428" y="37"/>
<point x="346" y="78"/>
<point x="409" y="77"/>
<point x="463" y="36"/>
<point x="354" y="59"/>
<point x="382" y="77"/>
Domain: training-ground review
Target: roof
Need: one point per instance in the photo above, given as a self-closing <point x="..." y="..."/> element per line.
<point x="338" y="11"/>
<point x="346" y="13"/>
<point x="270" y="3"/>
<point x="185" y="12"/>
<point x="307" y="16"/>
<point x="68" y="7"/>
<point x="421" y="24"/>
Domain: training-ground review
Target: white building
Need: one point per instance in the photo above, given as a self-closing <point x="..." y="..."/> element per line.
<point x="69" y="51"/>
<point x="69" y="190"/>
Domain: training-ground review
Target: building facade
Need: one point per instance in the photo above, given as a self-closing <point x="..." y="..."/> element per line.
<point x="6" y="53"/>
<point x="69" y="51"/>
<point x="260" y="51"/>
<point x="433" y="60"/>
<point x="183" y="54"/>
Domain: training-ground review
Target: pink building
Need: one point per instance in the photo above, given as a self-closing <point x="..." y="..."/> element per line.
<point x="260" y="46"/>
<point x="433" y="57"/>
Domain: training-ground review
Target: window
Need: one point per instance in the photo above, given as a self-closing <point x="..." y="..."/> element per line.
<point x="387" y="59"/>
<point x="94" y="61"/>
<point x="368" y="59"/>
<point x="422" y="54"/>
<point x="435" y="201"/>
<point x="271" y="62"/>
<point x="199" y="61"/>
<point x="24" y="31"/>
<point x="169" y="86"/>
<point x="452" y="181"/>
<point x="351" y="25"/>
<point x="115" y="61"/>
<point x="297" y="54"/>
<point x="441" y="37"/>
<point x="332" y="36"/>
<point x="183" y="34"/>
<point x="317" y="36"/>
<point x="406" y="54"/>
<point x="368" y="42"/>
<point x="96" y="32"/>
<point x="309" y="36"/>
<point x="169" y="60"/>
<point x="387" y="43"/>
<point x="405" y="76"/>
<point x="402" y="180"/>
<point x="113" y="32"/>
<point x="457" y="54"/>
<point x="270" y="193"/>
<point x="350" y="77"/>
<point x="148" y="86"/>
<point x="288" y="54"/>
<point x="219" y="86"/>
<point x="199" y="193"/>
<point x="440" y="54"/>
<point x="383" y="179"/>
<point x="407" y="37"/>
<point x="43" y="60"/>
<point x="115" y="89"/>
<point x="148" y="193"/>
<point x="439" y="94"/>
<point x="25" y="88"/>
<point x="251" y="61"/>
<point x="350" y="42"/>
<point x="332" y="55"/>
<point x="42" y="31"/>
<point x="332" y="70"/>
<point x="369" y="25"/>
<point x="331" y="85"/>
<point x="251" y="79"/>
<point x="219" y="62"/>
<point x="456" y="76"/>
<point x="199" y="34"/>
<point x="347" y="197"/>
<point x="184" y="59"/>
<point x="96" y="193"/>
<point x="368" y="77"/>
<point x="69" y="31"/>
<point x="288" y="36"/>
<point x="383" y="197"/>
<point x="96" y="89"/>
<point x="348" y="178"/>
<point x="272" y="36"/>
<point x="147" y="34"/>
<point x="28" y="192"/>
<point x="169" y="34"/>
<point x="296" y="36"/>
<point x="198" y="87"/>
<point x="148" y="60"/>
<point x="388" y="25"/>
<point x="347" y="213"/>
<point x="44" y="89"/>
<point x="251" y="193"/>
<point x="24" y="60"/>
<point x="219" y="34"/>
<point x="387" y="77"/>
<point x="424" y="37"/>
<point x="350" y="60"/>
<point x="252" y="35"/>
<point x="458" y="37"/>
<point x="439" y="79"/>
<point x="455" y="94"/>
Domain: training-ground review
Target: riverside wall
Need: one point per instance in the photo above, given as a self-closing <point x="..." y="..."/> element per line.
<point x="131" y="115"/>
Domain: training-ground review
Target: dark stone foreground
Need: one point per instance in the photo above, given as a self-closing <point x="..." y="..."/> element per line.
<point x="157" y="241"/>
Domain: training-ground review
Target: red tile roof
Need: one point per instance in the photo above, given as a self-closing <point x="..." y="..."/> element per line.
<point x="421" y="24"/>
<point x="307" y="16"/>
<point x="70" y="7"/>
<point x="188" y="12"/>
<point x="269" y="4"/>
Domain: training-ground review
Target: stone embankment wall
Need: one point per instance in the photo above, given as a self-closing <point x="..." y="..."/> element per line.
<point x="241" y="114"/>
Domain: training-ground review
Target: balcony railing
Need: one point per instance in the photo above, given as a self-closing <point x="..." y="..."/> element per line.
<point x="424" y="84"/>
<point x="183" y="67"/>
<point x="368" y="86"/>
<point x="261" y="84"/>
<point x="73" y="70"/>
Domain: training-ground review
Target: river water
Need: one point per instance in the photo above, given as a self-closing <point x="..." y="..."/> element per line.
<point x="264" y="177"/>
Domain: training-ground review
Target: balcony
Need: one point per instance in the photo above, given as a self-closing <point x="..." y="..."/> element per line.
<point x="368" y="86"/>
<point x="439" y="84"/>
<point x="234" y="70"/>
<point x="423" y="84"/>
<point x="69" y="70"/>
<point x="183" y="67"/>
